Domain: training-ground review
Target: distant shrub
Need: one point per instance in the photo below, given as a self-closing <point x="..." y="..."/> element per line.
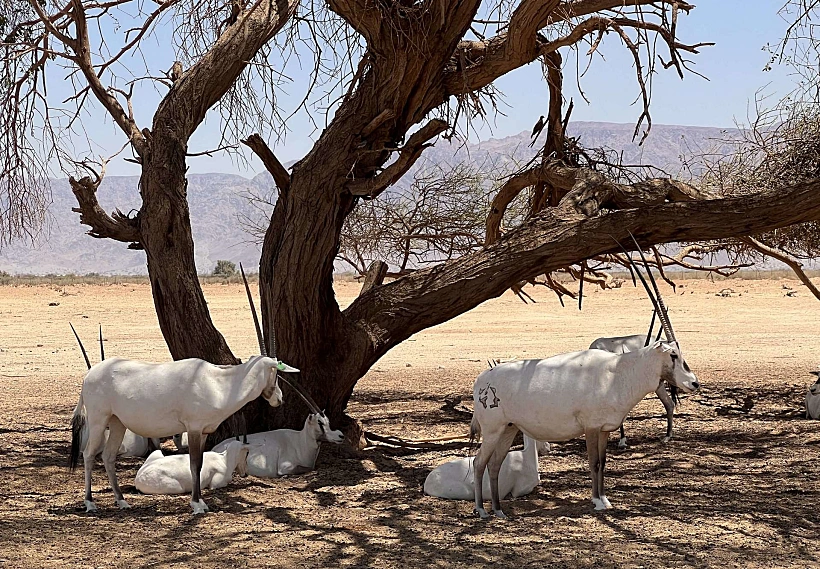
<point x="224" y="269"/>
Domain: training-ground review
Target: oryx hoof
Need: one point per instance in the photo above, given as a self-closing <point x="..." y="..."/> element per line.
<point x="667" y="439"/>
<point x="123" y="505"/>
<point x="90" y="506"/>
<point x="199" y="507"/>
<point x="622" y="443"/>
<point x="605" y="502"/>
<point x="481" y="512"/>
<point x="500" y="514"/>
<point x="599" y="504"/>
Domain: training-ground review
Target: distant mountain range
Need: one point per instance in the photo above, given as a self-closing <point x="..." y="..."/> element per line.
<point x="219" y="201"/>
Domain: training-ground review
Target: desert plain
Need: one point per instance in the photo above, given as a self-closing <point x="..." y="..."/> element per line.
<point x="736" y="487"/>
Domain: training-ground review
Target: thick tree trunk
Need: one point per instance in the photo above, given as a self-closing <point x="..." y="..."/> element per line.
<point x="165" y="234"/>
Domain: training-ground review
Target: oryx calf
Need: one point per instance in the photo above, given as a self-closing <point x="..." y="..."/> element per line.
<point x="559" y="398"/>
<point x="518" y="476"/>
<point x="287" y="451"/>
<point x="172" y="474"/>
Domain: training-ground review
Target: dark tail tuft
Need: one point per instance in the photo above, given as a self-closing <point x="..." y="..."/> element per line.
<point x="475" y="434"/>
<point x="673" y="392"/>
<point x="77" y="425"/>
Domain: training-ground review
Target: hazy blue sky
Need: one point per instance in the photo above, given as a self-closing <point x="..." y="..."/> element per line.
<point x="734" y="67"/>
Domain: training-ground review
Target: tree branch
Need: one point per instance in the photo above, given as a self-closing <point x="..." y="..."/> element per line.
<point x="117" y="226"/>
<point x="204" y="83"/>
<point x="407" y="157"/>
<point x="271" y="162"/>
<point x="783" y="258"/>
<point x="431" y="296"/>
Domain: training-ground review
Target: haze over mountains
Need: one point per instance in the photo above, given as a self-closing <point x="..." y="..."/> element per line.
<point x="219" y="201"/>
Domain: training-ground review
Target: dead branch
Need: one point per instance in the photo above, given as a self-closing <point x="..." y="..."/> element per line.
<point x="408" y="156"/>
<point x="117" y="226"/>
<point x="784" y="258"/>
<point x="280" y="175"/>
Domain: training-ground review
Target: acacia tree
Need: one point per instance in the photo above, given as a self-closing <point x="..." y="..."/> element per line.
<point x="423" y="66"/>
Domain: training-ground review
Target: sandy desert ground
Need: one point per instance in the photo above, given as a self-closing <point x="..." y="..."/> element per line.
<point x="737" y="487"/>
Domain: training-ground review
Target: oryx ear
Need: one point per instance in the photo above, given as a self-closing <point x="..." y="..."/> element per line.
<point x="662" y="346"/>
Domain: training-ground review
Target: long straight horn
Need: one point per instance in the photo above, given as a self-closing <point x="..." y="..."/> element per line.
<point x="82" y="348"/>
<point x="651" y="325"/>
<point x="663" y="314"/>
<point x="643" y="281"/>
<point x="102" y="350"/>
<point x="259" y="335"/>
<point x="300" y="391"/>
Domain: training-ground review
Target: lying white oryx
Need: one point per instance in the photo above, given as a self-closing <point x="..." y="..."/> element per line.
<point x="518" y="475"/>
<point x="172" y="474"/>
<point x="132" y="443"/>
<point x="813" y="398"/>
<point x="623" y="344"/>
<point x="159" y="400"/>
<point x="287" y="451"/>
<point x="559" y="398"/>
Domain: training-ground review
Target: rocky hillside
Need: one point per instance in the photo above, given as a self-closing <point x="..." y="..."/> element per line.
<point x="219" y="201"/>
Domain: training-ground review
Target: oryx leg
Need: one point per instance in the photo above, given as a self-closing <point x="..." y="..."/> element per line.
<point x="595" y="467"/>
<point x="116" y="432"/>
<point x="603" y="438"/>
<point x="669" y="405"/>
<point x="502" y="447"/>
<point x="96" y="432"/>
<point x="196" y="443"/>
<point x="622" y="440"/>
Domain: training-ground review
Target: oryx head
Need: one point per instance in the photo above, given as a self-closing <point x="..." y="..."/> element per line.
<point x="242" y="449"/>
<point x="675" y="371"/>
<point x="319" y="426"/>
<point x="277" y="366"/>
<point x="815" y="388"/>
<point x="272" y="393"/>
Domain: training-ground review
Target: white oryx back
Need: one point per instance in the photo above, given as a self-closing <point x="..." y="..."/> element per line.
<point x="556" y="399"/>
<point x="159" y="400"/>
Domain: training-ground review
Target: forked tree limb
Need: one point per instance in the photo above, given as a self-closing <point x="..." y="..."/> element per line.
<point x="117" y="226"/>
<point x="783" y="258"/>
<point x="271" y="162"/>
<point x="408" y="156"/>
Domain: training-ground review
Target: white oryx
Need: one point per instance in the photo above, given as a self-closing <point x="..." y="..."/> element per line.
<point x="132" y="443"/>
<point x="159" y="400"/>
<point x="518" y="476"/>
<point x="562" y="397"/>
<point x="623" y="344"/>
<point x="287" y="451"/>
<point x="172" y="474"/>
<point x="813" y="398"/>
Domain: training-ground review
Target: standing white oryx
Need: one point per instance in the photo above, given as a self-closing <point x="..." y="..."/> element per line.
<point x="562" y="397"/>
<point x="813" y="398"/>
<point x="287" y="451"/>
<point x="518" y="476"/>
<point x="623" y="344"/>
<point x="158" y="400"/>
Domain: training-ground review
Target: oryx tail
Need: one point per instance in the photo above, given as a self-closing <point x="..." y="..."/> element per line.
<point x="77" y="426"/>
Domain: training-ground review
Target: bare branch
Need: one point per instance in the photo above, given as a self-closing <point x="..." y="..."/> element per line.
<point x="271" y="162"/>
<point x="407" y="157"/>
